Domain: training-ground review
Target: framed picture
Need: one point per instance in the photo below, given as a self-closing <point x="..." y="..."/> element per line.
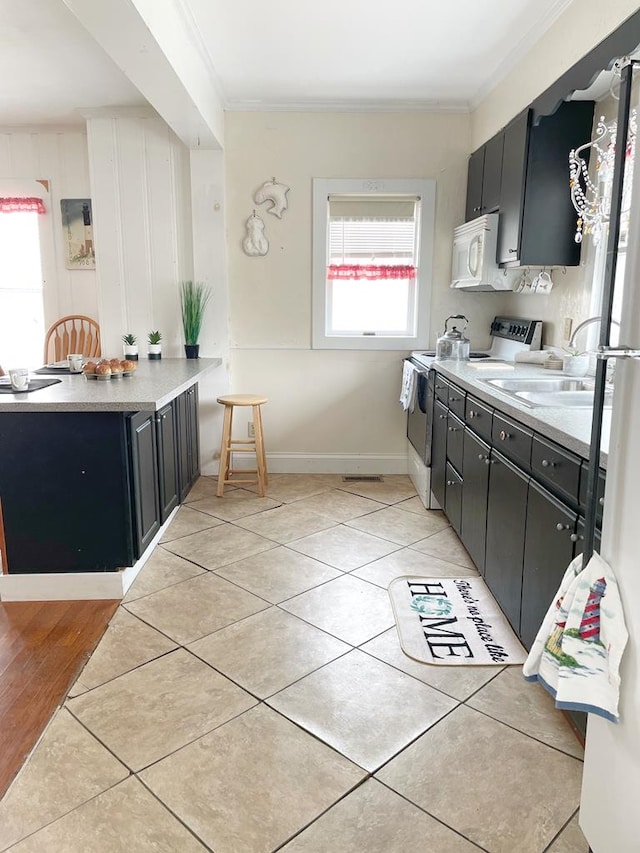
<point x="77" y="229"/>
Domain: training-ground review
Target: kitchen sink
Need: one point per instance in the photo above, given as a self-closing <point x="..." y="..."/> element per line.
<point x="563" y="392"/>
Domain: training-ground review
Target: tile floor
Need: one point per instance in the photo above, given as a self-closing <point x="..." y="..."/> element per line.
<point x="250" y="695"/>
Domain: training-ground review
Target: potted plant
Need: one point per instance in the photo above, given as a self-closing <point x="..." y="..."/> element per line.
<point x="193" y="299"/>
<point x="155" y="347"/>
<point x="575" y="362"/>
<point x="130" y="347"/>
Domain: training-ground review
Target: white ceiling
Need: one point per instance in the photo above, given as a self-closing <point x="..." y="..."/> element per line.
<point x="286" y="54"/>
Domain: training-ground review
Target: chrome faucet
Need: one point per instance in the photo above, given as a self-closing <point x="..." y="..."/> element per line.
<point x="584" y="324"/>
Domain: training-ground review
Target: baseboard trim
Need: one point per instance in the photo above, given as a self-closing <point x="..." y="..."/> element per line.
<point x="76" y="586"/>
<point x="329" y="463"/>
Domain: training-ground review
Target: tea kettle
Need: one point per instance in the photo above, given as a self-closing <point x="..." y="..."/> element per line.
<point x="452" y="345"/>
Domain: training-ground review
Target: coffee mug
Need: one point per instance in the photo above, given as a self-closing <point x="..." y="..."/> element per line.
<point x="75" y="362"/>
<point x="19" y="378"/>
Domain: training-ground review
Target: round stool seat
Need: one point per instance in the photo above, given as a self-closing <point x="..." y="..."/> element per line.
<point x="241" y="400"/>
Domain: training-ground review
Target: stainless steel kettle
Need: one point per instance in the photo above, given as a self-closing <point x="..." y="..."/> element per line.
<point x="453" y="345"/>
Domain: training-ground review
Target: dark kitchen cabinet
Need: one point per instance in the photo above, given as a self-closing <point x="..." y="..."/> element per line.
<point x="188" y="440"/>
<point x="453" y="497"/>
<point x="537" y="221"/>
<point x="548" y="549"/>
<point x="506" y="523"/>
<point x="439" y="452"/>
<point x="475" y="487"/>
<point x="484" y="178"/>
<point x="65" y="489"/>
<point x="455" y="434"/>
<point x="145" y="478"/>
<point x="166" y="421"/>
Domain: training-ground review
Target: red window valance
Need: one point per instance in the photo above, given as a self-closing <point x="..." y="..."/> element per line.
<point x="20" y="205"/>
<point x="370" y="272"/>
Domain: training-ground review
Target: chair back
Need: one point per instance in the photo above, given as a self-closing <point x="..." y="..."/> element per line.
<point x="74" y="333"/>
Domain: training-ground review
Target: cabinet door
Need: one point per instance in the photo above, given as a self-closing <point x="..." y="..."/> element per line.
<point x="548" y="550"/>
<point x="474" y="184"/>
<point x="193" y="439"/>
<point x="475" y="469"/>
<point x="439" y="452"/>
<point x="187" y="440"/>
<point x="506" y="523"/>
<point x="514" y="165"/>
<point x="455" y="434"/>
<point x="167" y="460"/>
<point x="146" y="497"/>
<point x="453" y="497"/>
<point x="492" y="174"/>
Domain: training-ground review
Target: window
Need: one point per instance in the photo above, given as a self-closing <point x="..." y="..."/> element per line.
<point x="373" y="244"/>
<point x="21" y="294"/>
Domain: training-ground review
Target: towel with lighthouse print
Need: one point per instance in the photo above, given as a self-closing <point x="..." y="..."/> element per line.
<point x="576" y="654"/>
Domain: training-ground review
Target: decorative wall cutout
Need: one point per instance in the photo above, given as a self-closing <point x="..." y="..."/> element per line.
<point x="274" y="193"/>
<point x="255" y="243"/>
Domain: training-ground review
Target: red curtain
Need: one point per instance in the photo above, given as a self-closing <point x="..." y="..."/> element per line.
<point x="371" y="272"/>
<point x="20" y="205"/>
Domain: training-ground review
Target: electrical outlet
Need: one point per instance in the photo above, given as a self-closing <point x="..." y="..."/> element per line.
<point x="251" y="431"/>
<point x="568" y="326"/>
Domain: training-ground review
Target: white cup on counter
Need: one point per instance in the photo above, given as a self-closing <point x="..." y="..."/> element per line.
<point x="19" y="378"/>
<point x="75" y="362"/>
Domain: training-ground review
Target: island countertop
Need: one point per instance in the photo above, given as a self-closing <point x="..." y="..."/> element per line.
<point x="152" y="385"/>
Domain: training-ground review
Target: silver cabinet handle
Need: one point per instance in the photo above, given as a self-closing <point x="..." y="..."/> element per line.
<point x="442" y="417"/>
<point x="512" y="251"/>
<point x="601" y="501"/>
<point x="560" y="527"/>
<point x="472" y="414"/>
<point x="488" y="461"/>
<point x="547" y="464"/>
<point x="482" y="456"/>
<point x="451" y="483"/>
<point x="504" y="435"/>
<point x="575" y="537"/>
<point x="453" y="429"/>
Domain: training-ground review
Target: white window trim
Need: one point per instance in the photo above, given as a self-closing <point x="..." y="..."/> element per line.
<point x="324" y="187"/>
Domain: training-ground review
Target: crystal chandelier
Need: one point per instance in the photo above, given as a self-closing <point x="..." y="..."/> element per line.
<point x="591" y="197"/>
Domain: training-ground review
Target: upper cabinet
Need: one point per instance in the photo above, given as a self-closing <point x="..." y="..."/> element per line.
<point x="537" y="222"/>
<point x="484" y="178"/>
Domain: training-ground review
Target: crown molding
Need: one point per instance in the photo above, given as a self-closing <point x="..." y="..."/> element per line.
<point x="386" y="106"/>
<point x="142" y="111"/>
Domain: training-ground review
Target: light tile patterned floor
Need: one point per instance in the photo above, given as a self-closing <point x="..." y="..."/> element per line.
<point x="250" y="696"/>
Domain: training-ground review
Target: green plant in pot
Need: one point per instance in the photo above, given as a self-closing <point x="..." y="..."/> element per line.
<point x="193" y="299"/>
<point x="155" y="346"/>
<point x="130" y="347"/>
<point x="575" y="362"/>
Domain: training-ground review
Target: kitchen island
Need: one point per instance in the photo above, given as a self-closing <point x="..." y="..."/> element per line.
<point x="89" y="472"/>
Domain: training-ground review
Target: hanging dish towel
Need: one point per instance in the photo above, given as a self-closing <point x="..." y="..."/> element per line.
<point x="409" y="386"/>
<point x="576" y="654"/>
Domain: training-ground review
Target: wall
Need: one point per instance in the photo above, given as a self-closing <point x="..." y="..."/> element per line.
<point x="332" y="410"/>
<point x="578" y="29"/>
<point x="61" y="157"/>
<point x="140" y="181"/>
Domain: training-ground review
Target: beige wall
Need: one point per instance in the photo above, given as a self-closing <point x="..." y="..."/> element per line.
<point x="331" y="406"/>
<point x="580" y="27"/>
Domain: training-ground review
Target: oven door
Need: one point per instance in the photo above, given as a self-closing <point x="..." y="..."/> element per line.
<point x="419" y="420"/>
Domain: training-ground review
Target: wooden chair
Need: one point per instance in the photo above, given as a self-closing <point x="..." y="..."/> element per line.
<point x="74" y="333"/>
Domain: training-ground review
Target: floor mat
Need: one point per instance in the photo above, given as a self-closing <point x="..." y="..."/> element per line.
<point x="452" y="621"/>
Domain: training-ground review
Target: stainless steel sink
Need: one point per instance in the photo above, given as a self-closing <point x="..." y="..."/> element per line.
<point x="558" y="391"/>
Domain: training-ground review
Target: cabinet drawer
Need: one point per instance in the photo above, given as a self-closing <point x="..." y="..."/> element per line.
<point x="512" y="439"/>
<point x="557" y="468"/>
<point x="479" y="417"/>
<point x="441" y="388"/>
<point x="455" y="436"/>
<point x="457" y="400"/>
<point x="584" y="476"/>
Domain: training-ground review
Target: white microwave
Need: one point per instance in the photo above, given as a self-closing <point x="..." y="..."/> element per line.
<point x="474" y="265"/>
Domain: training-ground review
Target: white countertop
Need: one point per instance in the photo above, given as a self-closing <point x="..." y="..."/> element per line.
<point x="567" y="426"/>
<point x="152" y="385"/>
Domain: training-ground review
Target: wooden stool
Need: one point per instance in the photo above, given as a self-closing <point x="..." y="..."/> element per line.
<point x="238" y="445"/>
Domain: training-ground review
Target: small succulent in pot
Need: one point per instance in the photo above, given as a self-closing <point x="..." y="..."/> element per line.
<point x="155" y="347"/>
<point x="575" y="362"/>
<point x="130" y="346"/>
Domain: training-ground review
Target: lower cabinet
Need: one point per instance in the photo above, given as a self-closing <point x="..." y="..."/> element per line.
<point x="506" y="524"/>
<point x="548" y="549"/>
<point x="453" y="497"/>
<point x="439" y="452"/>
<point x="475" y="465"/>
<point x="188" y="441"/>
<point x="165" y="463"/>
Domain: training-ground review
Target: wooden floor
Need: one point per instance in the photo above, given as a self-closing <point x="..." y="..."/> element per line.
<point x="43" y="646"/>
